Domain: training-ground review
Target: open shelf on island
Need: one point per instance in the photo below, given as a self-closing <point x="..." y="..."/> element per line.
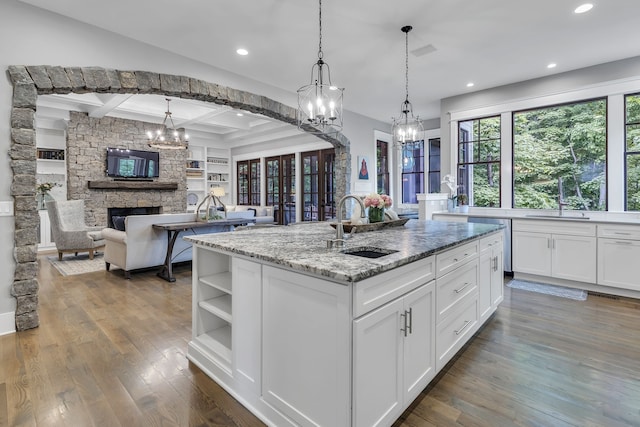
<point x="219" y="306"/>
<point x="220" y="281"/>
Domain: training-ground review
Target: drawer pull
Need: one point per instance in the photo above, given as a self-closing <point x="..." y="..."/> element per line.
<point x="623" y="242"/>
<point x="466" y="285"/>
<point x="621" y="233"/>
<point x="455" y="260"/>
<point x="466" y="323"/>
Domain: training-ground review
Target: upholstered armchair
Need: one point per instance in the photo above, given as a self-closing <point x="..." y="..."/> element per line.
<point x="70" y="233"/>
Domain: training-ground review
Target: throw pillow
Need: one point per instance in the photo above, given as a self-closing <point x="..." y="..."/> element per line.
<point x="118" y="222"/>
<point x="261" y="212"/>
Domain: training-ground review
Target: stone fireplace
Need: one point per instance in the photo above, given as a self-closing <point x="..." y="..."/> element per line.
<point x="87" y="141"/>
<point x="111" y="212"/>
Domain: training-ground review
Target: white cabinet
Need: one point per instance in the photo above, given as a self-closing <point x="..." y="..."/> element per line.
<point x="618" y="253"/>
<point x="491" y="276"/>
<point x="306" y="343"/>
<point x="393" y="356"/>
<point x="558" y="249"/>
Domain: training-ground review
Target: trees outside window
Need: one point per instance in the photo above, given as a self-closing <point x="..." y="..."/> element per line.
<point x="632" y="152"/>
<point x="567" y="142"/>
<point x="248" y="173"/>
<point x="479" y="161"/>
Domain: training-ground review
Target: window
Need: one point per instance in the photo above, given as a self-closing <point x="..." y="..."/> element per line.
<point x="248" y="172"/>
<point x="382" y="166"/>
<point x="412" y="171"/>
<point x="632" y="152"/>
<point x="434" y="165"/>
<point x="479" y="161"/>
<point x="560" y="151"/>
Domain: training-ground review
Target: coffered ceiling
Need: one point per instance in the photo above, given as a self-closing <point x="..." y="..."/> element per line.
<point x="454" y="42"/>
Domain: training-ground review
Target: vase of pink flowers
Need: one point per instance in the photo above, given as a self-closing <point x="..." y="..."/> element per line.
<point x="376" y="204"/>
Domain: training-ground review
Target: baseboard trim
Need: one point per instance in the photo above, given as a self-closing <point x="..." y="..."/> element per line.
<point x="7" y="323"/>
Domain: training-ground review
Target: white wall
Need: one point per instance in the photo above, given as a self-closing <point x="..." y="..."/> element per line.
<point x="31" y="36"/>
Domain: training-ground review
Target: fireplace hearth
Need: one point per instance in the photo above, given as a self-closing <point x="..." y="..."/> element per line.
<point x="111" y="212"/>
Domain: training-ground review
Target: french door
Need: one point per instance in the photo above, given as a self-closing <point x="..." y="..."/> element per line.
<point x="281" y="187"/>
<point x="318" y="185"/>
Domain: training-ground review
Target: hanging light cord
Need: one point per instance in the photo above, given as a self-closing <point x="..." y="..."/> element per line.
<point x="320" y="26"/>
<point x="406" y="85"/>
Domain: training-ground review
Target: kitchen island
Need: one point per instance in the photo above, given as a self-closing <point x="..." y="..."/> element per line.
<point x="305" y="335"/>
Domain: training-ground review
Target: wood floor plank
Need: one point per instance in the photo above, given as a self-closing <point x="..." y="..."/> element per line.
<point x="112" y="352"/>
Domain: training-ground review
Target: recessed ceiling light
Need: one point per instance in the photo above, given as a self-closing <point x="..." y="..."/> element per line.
<point x="470" y="84"/>
<point x="239" y="114"/>
<point x="552" y="65"/>
<point x="583" y="8"/>
<point x="242" y="52"/>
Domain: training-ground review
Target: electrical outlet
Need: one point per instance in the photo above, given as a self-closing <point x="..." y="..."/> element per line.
<point x="6" y="208"/>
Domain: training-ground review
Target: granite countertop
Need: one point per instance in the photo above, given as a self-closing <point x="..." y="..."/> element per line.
<point x="302" y="247"/>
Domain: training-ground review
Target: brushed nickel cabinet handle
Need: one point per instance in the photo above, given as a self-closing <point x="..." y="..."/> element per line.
<point x="410" y="319"/>
<point x="466" y="323"/>
<point x="457" y="291"/>
<point x="404" y="316"/>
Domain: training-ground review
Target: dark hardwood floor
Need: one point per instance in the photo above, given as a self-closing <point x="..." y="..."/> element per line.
<point x="111" y="352"/>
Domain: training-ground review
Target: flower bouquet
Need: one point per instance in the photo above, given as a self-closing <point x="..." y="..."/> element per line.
<point x="376" y="204"/>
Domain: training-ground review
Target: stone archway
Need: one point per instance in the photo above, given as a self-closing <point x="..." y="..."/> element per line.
<point x="30" y="81"/>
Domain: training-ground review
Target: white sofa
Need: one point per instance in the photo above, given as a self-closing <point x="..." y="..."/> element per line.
<point x="262" y="214"/>
<point x="142" y="246"/>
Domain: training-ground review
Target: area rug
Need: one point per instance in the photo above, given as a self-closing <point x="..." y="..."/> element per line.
<point x="558" y="291"/>
<point x="72" y="265"/>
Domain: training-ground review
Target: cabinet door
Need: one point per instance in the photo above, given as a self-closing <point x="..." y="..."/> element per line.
<point x="532" y="253"/>
<point x="246" y="337"/>
<point x="485" y="277"/>
<point x="574" y="258"/>
<point x="617" y="263"/>
<point x="419" y="343"/>
<point x="306" y="346"/>
<point x="377" y="366"/>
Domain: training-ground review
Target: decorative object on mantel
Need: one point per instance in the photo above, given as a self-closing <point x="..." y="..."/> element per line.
<point x="376" y="204"/>
<point x="320" y="102"/>
<point x="406" y="128"/>
<point x="361" y="228"/>
<point x="211" y="202"/>
<point x="168" y="136"/>
<point x="42" y="193"/>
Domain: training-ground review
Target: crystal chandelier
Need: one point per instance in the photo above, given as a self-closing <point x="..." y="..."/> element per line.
<point x="168" y="137"/>
<point x="406" y="128"/>
<point x="320" y="102"/>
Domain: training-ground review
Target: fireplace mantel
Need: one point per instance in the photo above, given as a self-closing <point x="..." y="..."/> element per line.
<point x="132" y="185"/>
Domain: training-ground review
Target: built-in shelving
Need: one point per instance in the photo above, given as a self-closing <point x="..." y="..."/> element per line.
<point x="206" y="167"/>
<point x="212" y="301"/>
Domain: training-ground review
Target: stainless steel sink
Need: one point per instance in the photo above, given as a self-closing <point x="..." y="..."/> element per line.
<point x="557" y="216"/>
<point x="368" y="252"/>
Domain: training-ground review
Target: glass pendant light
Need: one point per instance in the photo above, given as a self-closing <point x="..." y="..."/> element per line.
<point x="320" y="102"/>
<point x="406" y="128"/>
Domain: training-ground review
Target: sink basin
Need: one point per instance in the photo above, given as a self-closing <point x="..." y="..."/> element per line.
<point x="557" y="216"/>
<point x="368" y="252"/>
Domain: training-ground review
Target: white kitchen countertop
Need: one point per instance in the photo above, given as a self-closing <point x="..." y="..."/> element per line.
<point x="631" y="218"/>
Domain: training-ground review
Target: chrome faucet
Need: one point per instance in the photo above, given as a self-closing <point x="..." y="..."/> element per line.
<point x="339" y="240"/>
<point x="561" y="203"/>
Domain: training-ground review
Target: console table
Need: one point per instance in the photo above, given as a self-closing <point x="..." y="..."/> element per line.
<point x="175" y="228"/>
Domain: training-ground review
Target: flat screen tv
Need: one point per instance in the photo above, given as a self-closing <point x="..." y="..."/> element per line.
<point x="123" y="163"/>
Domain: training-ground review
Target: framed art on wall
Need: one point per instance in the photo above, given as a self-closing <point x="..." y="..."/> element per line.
<point x="363" y="168"/>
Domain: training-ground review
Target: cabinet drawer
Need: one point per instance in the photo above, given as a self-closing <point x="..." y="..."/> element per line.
<point x="575" y="228"/>
<point x="495" y="240"/>
<point x="453" y="287"/>
<point x="451" y="259"/>
<point x="455" y="330"/>
<point x="625" y="232"/>
<point x="378" y="290"/>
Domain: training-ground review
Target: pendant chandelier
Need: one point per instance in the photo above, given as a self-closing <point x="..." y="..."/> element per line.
<point x="320" y="102"/>
<point x="167" y="136"/>
<point x="406" y="128"/>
